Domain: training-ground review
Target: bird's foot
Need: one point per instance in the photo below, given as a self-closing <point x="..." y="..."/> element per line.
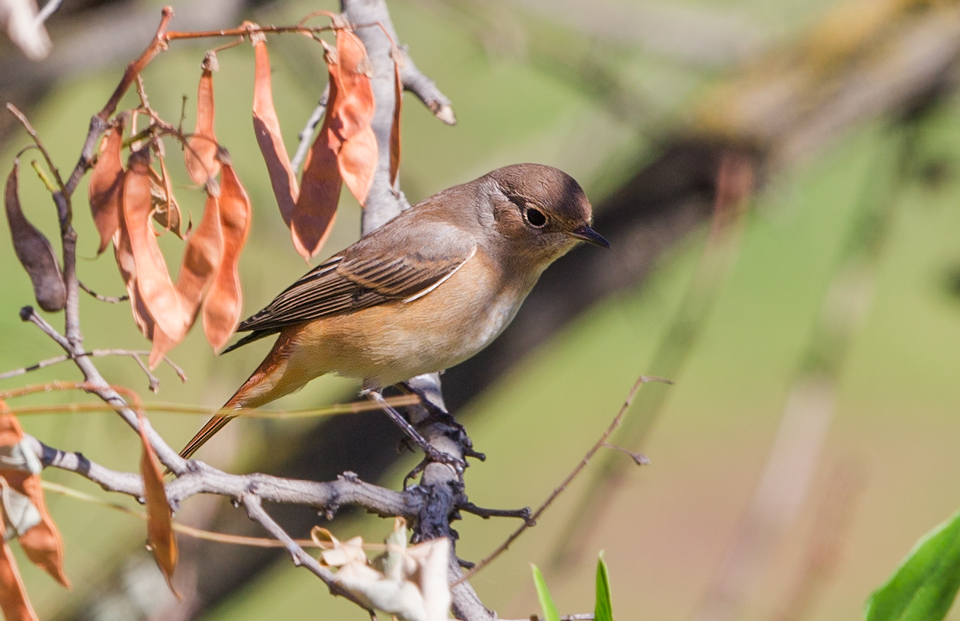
<point x="432" y="453"/>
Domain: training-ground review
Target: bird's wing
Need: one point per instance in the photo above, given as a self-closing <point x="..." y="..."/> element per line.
<point x="364" y="275"/>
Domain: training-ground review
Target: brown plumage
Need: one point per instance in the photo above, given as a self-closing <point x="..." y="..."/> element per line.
<point x="429" y="289"/>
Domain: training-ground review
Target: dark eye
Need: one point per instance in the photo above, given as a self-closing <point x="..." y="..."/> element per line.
<point x="535" y="217"/>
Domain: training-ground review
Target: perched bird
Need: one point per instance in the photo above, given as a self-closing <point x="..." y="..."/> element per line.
<point x="426" y="291"/>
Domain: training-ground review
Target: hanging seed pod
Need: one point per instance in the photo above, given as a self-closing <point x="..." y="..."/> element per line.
<point x="34" y="251"/>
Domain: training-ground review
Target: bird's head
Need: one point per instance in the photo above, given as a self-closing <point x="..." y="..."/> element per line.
<point x="543" y="210"/>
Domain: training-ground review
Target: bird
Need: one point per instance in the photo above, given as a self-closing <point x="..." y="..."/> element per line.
<point x="424" y="292"/>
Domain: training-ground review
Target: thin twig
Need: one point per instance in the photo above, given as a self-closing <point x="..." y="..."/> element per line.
<point x="111" y="394"/>
<point x="577" y="469"/>
<point x="109" y="299"/>
<point x="254" y="508"/>
<point x="309" y="129"/>
<point x="176" y="408"/>
<point x="638" y="458"/>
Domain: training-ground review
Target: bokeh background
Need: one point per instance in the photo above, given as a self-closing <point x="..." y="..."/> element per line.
<point x="812" y="332"/>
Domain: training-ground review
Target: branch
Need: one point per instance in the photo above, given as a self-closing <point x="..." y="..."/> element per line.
<point x="570" y="477"/>
<point x="300" y="557"/>
<point x="309" y="129"/>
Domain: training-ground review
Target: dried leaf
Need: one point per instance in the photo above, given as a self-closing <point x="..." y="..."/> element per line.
<point x="321" y="182"/>
<point x="201" y="258"/>
<point x="160" y="535"/>
<point x="358" y="155"/>
<point x="266" y="126"/>
<point x="34" y="251"/>
<point x="159" y="295"/>
<point x="166" y="210"/>
<point x="395" y="128"/>
<point x="224" y="301"/>
<point x="357" y="160"/>
<point x="413" y="584"/>
<point x="41" y="540"/>
<point x="13" y="596"/>
<point x="128" y="271"/>
<point x="106" y="185"/>
<point x="200" y="156"/>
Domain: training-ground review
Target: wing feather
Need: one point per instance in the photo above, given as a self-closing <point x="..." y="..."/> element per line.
<point x="363" y="276"/>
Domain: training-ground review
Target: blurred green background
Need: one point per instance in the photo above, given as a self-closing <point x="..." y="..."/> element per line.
<point x="894" y="431"/>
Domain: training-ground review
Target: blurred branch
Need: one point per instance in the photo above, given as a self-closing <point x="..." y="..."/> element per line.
<point x="307" y="132"/>
<point x="602" y="442"/>
<point x="809" y="408"/>
<point x="735" y="184"/>
<point x="826" y="545"/>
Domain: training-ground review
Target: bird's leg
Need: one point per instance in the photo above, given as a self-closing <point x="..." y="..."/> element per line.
<point x="432" y="453"/>
<point x="437" y="413"/>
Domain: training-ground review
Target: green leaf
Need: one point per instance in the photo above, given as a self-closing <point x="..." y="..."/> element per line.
<point x="603" y="610"/>
<point x="925" y="585"/>
<point x="550" y="612"/>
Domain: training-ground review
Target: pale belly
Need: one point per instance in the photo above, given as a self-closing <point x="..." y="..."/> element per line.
<point x="387" y="344"/>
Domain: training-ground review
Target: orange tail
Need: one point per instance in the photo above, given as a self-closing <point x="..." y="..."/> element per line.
<point x="213" y="425"/>
<point x="272" y="380"/>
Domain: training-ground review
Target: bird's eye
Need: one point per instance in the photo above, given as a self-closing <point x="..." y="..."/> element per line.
<point x="535" y="217"/>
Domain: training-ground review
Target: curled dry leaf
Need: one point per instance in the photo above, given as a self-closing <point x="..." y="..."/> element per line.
<point x="200" y="155"/>
<point x="320" y="184"/>
<point x="160" y="535"/>
<point x="159" y="296"/>
<point x="395" y="128"/>
<point x="266" y="126"/>
<point x="106" y="185"/>
<point x="224" y="301"/>
<point x="33" y="250"/>
<point x="201" y="258"/>
<point x="128" y="271"/>
<point x="41" y="542"/>
<point x="166" y="211"/>
<point x="358" y="153"/>
<point x="408" y="582"/>
<point x="345" y="150"/>
<point x="14" y="602"/>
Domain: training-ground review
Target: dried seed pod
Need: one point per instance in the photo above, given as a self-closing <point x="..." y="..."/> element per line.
<point x="224" y="301"/>
<point x="153" y="280"/>
<point x="33" y="250"/>
<point x="358" y="154"/>
<point x="41" y="542"/>
<point x="106" y="185"/>
<point x="200" y="156"/>
<point x="395" y="128"/>
<point x="266" y="126"/>
<point x="163" y="543"/>
<point x="166" y="210"/>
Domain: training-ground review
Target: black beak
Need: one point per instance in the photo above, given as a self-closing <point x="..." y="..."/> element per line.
<point x="590" y="236"/>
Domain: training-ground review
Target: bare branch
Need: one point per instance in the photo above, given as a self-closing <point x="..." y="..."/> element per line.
<point x="307" y="133"/>
<point x="425" y="89"/>
<point x="300" y="557"/>
<point x="577" y="469"/>
<point x="103" y="298"/>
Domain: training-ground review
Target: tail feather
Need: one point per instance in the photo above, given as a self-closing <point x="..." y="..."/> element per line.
<point x="213" y="425"/>
<point x="270" y="381"/>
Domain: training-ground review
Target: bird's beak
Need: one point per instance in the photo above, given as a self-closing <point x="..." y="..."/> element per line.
<point x="590" y="236"/>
